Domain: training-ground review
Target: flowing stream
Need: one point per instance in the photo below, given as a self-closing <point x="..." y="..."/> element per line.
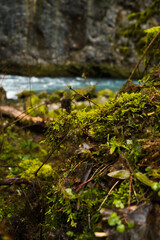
<point x="16" y="84"/>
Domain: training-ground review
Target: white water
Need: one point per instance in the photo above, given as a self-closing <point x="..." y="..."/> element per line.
<point x="16" y="84"/>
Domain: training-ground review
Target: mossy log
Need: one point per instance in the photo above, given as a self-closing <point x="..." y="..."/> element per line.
<point x="21" y="118"/>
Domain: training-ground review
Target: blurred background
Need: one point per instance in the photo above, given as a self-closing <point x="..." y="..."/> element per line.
<point x="68" y="38"/>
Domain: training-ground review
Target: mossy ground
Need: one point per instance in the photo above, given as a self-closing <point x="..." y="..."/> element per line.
<point x="86" y="145"/>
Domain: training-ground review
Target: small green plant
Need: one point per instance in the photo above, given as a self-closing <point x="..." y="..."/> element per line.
<point x="115" y="220"/>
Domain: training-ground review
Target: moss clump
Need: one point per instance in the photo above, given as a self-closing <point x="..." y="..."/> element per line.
<point x="27" y="168"/>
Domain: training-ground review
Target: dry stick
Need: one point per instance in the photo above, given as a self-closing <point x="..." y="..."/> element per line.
<point x="139" y="61"/>
<point x="135" y="194"/>
<point x="108" y="194"/>
<point x="87" y="98"/>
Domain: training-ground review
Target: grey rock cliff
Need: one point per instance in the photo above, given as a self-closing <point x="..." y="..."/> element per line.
<point x="65" y="31"/>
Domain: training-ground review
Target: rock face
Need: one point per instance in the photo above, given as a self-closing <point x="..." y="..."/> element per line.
<point x="65" y="31"/>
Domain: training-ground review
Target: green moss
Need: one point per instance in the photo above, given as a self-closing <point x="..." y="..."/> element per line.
<point x="28" y="167"/>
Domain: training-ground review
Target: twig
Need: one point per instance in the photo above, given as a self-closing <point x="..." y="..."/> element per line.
<point x="135" y="194"/>
<point x="38" y="182"/>
<point x="108" y="194"/>
<point x="54" y="149"/>
<point x="87" y="98"/>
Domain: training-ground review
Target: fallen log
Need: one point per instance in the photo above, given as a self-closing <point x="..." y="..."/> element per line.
<point x="21" y="118"/>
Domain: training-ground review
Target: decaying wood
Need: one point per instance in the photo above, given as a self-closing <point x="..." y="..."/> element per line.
<point x="22" y="118"/>
<point x="14" y="180"/>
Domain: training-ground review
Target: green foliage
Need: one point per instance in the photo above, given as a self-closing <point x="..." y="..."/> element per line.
<point x="114" y="219"/>
<point x="66" y="206"/>
<point x="121" y="228"/>
<point x="118" y="203"/>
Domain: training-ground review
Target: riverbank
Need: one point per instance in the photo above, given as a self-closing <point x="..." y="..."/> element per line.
<point x="102" y="70"/>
